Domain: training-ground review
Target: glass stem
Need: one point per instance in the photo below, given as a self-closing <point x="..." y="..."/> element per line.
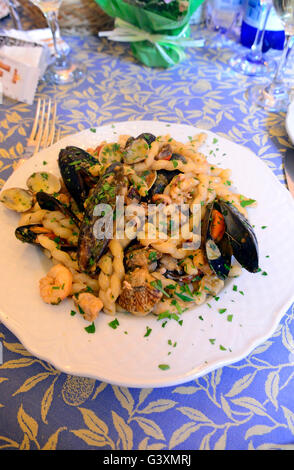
<point x="256" y="48"/>
<point x="52" y="21"/>
<point x="277" y="80"/>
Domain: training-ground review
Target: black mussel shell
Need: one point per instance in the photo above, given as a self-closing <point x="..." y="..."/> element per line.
<point x="28" y="234"/>
<point x="90" y="246"/>
<point x="51" y="203"/>
<point x="219" y="253"/>
<point x="242" y="237"/>
<point x="74" y="164"/>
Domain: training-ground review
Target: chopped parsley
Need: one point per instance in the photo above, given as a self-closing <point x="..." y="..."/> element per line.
<point x="163" y="366"/>
<point x="114" y="323"/>
<point x="222" y="310"/>
<point x="148" y="331"/>
<point x="91" y="328"/>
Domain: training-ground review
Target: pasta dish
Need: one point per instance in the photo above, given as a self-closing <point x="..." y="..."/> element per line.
<point x="144" y="225"/>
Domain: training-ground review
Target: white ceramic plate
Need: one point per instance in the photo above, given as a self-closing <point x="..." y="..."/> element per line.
<point x="206" y="340"/>
<point x="289" y="123"/>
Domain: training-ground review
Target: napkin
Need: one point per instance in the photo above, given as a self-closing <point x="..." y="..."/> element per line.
<point x="24" y="57"/>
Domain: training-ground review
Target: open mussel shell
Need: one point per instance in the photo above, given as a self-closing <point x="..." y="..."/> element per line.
<point x="218" y="252"/>
<point x="44" y="181"/>
<point x="242" y="237"/>
<point x="51" y="203"/>
<point x="17" y="199"/>
<point x="29" y="234"/>
<point x="93" y="238"/>
<point x="74" y="165"/>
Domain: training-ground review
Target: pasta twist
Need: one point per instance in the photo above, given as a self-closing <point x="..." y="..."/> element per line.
<point x="111" y="276"/>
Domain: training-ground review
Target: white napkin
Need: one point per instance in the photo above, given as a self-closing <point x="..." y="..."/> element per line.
<point x="42" y="36"/>
<point x="24" y="57"/>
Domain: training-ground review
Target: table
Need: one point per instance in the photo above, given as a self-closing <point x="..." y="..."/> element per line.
<point x="246" y="405"/>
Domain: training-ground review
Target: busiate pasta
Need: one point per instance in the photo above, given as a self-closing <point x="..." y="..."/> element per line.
<point x="145" y="268"/>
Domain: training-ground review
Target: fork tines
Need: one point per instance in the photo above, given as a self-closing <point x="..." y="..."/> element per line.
<point x="43" y="130"/>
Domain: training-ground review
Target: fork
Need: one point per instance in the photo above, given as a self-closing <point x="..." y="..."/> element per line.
<point x="44" y="131"/>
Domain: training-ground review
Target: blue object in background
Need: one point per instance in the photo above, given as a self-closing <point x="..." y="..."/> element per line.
<point x="274" y="35"/>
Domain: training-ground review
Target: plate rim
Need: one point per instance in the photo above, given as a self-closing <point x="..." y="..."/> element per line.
<point x="195" y="372"/>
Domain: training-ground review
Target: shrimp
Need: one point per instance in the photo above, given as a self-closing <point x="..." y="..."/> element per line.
<point x="89" y="305"/>
<point x="57" y="285"/>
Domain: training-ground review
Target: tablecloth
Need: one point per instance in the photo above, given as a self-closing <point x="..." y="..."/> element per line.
<point x="245" y="405"/>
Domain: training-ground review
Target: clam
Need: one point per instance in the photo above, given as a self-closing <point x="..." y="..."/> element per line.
<point x="136" y="150"/>
<point x="163" y="178"/>
<point x="148" y="137"/>
<point x="17" y="199"/>
<point x="44" y="181"/>
<point x="110" y="153"/>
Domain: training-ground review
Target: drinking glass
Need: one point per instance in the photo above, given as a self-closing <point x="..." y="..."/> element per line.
<point x="63" y="71"/>
<point x="276" y="95"/>
<point x="254" y="63"/>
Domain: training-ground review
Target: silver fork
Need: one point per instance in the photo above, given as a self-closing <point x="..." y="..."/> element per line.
<point x="44" y="132"/>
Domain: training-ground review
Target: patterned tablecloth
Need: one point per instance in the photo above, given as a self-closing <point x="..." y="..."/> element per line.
<point x="246" y="405"/>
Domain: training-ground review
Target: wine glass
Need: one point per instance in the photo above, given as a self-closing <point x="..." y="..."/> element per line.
<point x="223" y="21"/>
<point x="63" y="71"/>
<point x="254" y="63"/>
<point x="276" y="95"/>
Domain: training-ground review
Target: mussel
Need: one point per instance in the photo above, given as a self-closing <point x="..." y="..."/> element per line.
<point x="51" y="203"/>
<point x="75" y="164"/>
<point x="29" y="234"/>
<point x="227" y="233"/>
<point x="91" y="246"/>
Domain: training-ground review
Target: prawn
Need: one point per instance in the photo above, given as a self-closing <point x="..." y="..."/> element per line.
<point x="57" y="285"/>
<point x="89" y="305"/>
